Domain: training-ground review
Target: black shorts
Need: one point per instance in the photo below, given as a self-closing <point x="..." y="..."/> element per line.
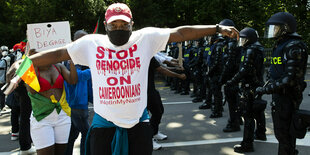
<point x="139" y="140"/>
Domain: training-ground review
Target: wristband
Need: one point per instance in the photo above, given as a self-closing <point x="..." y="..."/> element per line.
<point x="217" y="28"/>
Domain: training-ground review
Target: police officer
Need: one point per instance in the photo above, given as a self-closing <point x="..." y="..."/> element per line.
<point x="205" y="67"/>
<point x="174" y="53"/>
<point x="231" y="60"/>
<point x="193" y="69"/>
<point x="215" y="70"/>
<point x="197" y="65"/>
<point x="287" y="73"/>
<point x="187" y="56"/>
<point x="250" y="74"/>
<point x="4" y="51"/>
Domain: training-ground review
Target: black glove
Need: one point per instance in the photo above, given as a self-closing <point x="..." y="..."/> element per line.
<point x="229" y="83"/>
<point x="260" y="91"/>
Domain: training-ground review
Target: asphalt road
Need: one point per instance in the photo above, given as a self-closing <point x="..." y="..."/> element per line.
<point x="190" y="130"/>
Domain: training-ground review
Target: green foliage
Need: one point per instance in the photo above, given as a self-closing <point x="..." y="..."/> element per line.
<point x="83" y="14"/>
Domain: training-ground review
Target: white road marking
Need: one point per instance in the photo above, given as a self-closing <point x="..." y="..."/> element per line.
<point x="184" y="102"/>
<point x="270" y="139"/>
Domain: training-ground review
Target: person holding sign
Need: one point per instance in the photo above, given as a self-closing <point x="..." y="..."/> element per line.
<point x="119" y="64"/>
<point x="50" y="120"/>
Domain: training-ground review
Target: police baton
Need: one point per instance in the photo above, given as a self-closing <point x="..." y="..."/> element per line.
<point x="266" y="83"/>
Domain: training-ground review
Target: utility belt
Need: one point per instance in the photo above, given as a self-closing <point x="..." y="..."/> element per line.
<point x="248" y="86"/>
<point x="294" y="94"/>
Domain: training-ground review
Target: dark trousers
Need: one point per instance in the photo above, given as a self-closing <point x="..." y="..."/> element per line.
<point x="232" y="98"/>
<point x="186" y="82"/>
<point x="202" y="87"/>
<point x="246" y="100"/>
<point x="12" y="103"/>
<point x="22" y="100"/>
<point x="177" y="82"/>
<point x="24" y="123"/>
<point x="2" y="99"/>
<point x="259" y="116"/>
<point x="15" y="112"/>
<point x="155" y="106"/>
<point x="79" y="124"/>
<point x="282" y="118"/>
<point x="217" y="94"/>
<point x="194" y="79"/>
<point x="208" y="90"/>
<point x="139" y="140"/>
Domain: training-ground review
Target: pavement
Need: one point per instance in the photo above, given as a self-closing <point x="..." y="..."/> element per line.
<point x="190" y="130"/>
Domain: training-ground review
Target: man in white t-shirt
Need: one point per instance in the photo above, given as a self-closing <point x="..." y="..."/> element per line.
<point x="119" y="64"/>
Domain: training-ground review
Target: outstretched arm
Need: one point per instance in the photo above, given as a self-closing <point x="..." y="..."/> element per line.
<point x="184" y="33"/>
<point x="169" y="73"/>
<point x="44" y="58"/>
<point x="51" y="56"/>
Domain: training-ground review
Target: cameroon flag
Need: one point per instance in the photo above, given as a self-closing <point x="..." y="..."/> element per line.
<point x="97" y="27"/>
<point x="27" y="73"/>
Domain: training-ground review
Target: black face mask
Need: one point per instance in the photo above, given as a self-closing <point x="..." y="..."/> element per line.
<point x="119" y="37"/>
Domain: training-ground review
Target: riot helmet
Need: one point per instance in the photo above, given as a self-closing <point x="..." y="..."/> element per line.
<point x="280" y="24"/>
<point x="201" y="42"/>
<point x="188" y="43"/>
<point x="212" y="39"/>
<point x="247" y="36"/>
<point x="4" y="50"/>
<point x="219" y="37"/>
<point x="227" y="22"/>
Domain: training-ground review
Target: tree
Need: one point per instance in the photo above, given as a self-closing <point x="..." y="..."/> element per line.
<point x="83" y="14"/>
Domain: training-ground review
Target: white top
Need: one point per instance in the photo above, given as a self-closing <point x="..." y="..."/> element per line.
<point x="119" y="73"/>
<point x="161" y="57"/>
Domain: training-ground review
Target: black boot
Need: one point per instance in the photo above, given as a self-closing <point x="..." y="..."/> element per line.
<point x="232" y="127"/>
<point x="240" y="121"/>
<point x="216" y="114"/>
<point x="244" y="147"/>
<point x="205" y="106"/>
<point x="197" y="99"/>
<point x="185" y="93"/>
<point x="260" y="136"/>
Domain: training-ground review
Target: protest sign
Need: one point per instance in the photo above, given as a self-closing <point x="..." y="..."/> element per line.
<point x="44" y="36"/>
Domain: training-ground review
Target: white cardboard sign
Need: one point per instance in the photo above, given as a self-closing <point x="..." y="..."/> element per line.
<point x="44" y="36"/>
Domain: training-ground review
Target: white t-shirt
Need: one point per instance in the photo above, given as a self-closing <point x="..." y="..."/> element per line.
<point x="119" y="73"/>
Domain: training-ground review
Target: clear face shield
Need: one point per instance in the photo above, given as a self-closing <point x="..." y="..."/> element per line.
<point x="274" y="31"/>
<point x="209" y="38"/>
<point x="242" y="41"/>
<point x="195" y="44"/>
<point x="186" y="43"/>
<point x="4" y="53"/>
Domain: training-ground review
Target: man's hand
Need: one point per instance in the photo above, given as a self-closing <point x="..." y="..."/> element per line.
<point x="182" y="76"/>
<point x="229" y="31"/>
<point x="229" y="83"/>
<point x="260" y="91"/>
<point x="180" y="68"/>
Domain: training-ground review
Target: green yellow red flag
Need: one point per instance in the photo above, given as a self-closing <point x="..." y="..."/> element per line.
<point x="97" y="27"/>
<point x="27" y="73"/>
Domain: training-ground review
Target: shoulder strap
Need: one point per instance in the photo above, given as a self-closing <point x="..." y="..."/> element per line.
<point x="57" y="69"/>
<point x="6" y="64"/>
